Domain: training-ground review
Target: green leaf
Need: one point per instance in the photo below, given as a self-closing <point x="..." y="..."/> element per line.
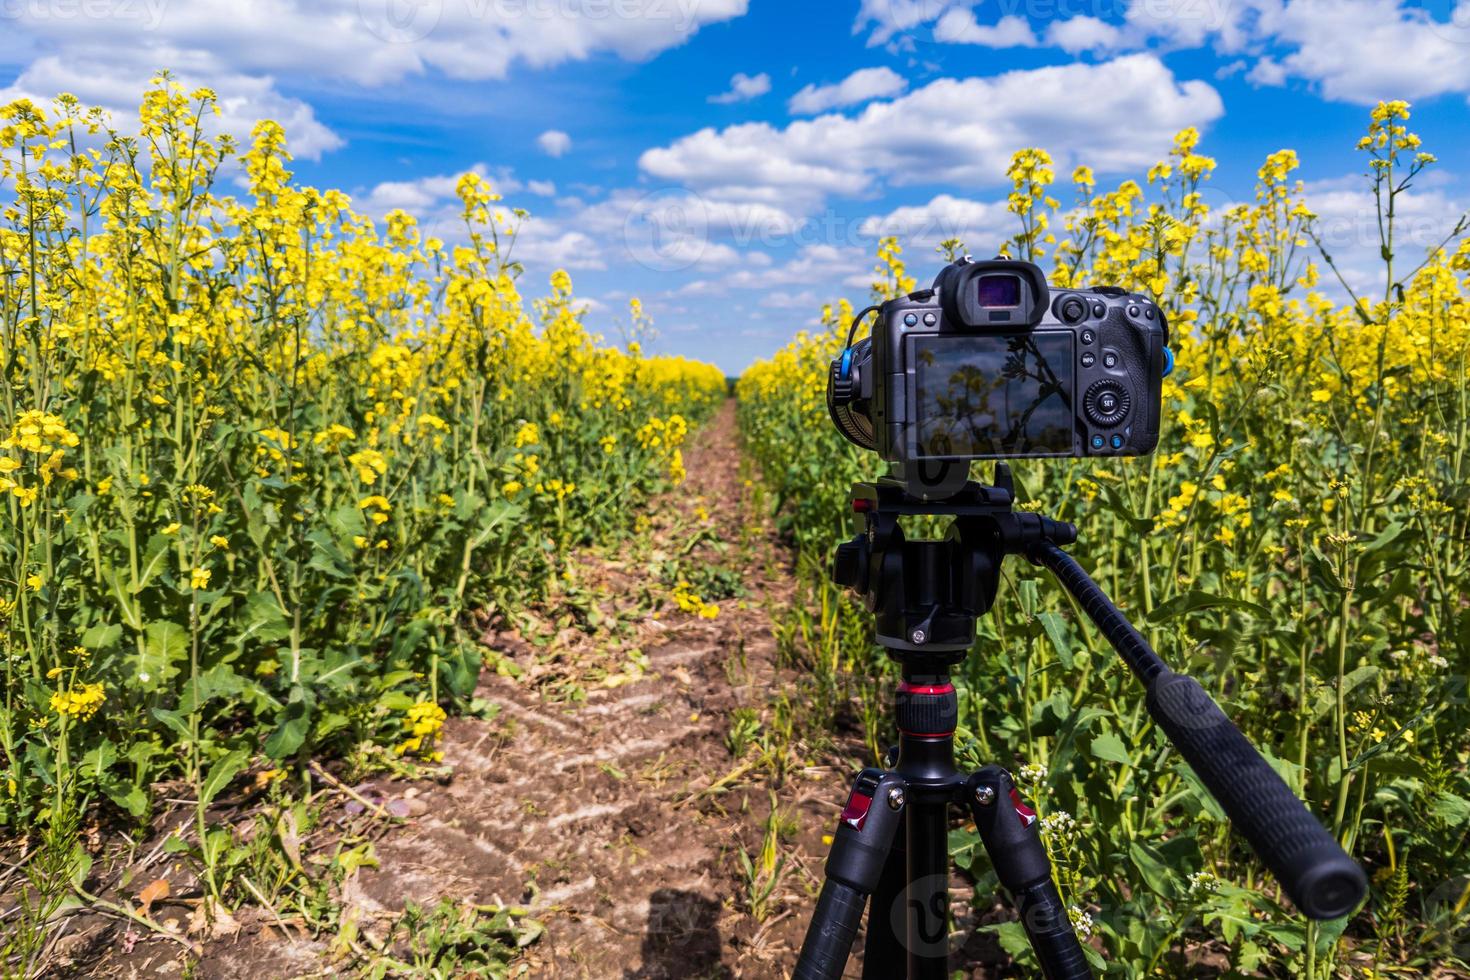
<point x="220" y="775"/>
<point x="164" y="647"/>
<point x="1453" y="810"/>
<point x="1195" y="600"/>
<point x="101" y="636"/>
<point x="1056" y="632"/>
<point x="1109" y="747"/>
<point x="290" y="734"/>
<point x="176" y="723"/>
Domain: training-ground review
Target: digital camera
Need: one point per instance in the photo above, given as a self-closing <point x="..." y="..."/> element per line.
<point x="989" y="364"/>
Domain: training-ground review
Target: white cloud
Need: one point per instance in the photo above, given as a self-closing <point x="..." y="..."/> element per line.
<point x="105" y="52"/>
<point x="959" y="26"/>
<point x="377" y="42"/>
<point x="1352" y="50"/>
<point x="1083" y="33"/>
<point x="243" y="99"/>
<point x="861" y="86"/>
<point x="743" y="88"/>
<point x="946" y="132"/>
<point x="425" y="196"/>
<point x="1347" y="222"/>
<point x="890" y="17"/>
<point x="981" y="225"/>
<point x="554" y="143"/>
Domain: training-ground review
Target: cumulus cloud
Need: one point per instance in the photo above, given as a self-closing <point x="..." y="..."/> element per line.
<point x="861" y="86"/>
<point x="945" y="132"/>
<point x="981" y="225"/>
<point x="1083" y="33"/>
<point x="243" y="99"/>
<point x="960" y="26"/>
<point x="106" y="52"/>
<point x="554" y="143"/>
<point x="743" y="88"/>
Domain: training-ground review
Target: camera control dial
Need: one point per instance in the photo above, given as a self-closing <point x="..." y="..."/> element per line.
<point x="1106" y="403"/>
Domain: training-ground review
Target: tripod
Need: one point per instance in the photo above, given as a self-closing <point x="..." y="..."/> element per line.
<point x="892" y="838"/>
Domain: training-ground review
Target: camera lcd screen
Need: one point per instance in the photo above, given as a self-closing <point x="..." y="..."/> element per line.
<point x="995" y="395"/>
<point x="999" y="291"/>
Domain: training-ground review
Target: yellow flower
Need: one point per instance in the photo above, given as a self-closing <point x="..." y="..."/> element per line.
<point x="80" y="703"/>
<point x="172" y="528"/>
<point x="220" y="541"/>
<point x="370" y="465"/>
<point x="199" y="579"/>
<point x="35" y="582"/>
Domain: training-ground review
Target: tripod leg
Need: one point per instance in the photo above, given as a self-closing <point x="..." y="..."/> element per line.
<point x="1012" y="839"/>
<point x="854" y="868"/>
<point x="884" y="956"/>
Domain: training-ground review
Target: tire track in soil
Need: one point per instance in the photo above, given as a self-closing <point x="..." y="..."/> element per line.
<point x="636" y="878"/>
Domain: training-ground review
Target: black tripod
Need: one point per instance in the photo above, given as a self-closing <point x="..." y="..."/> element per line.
<point x="892" y="838"/>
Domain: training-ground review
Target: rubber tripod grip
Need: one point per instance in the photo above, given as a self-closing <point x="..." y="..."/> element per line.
<point x="1048" y="926"/>
<point x="1322" y="880"/>
<point x="828" y="944"/>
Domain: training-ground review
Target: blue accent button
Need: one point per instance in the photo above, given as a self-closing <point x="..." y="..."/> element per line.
<point x="1117" y="442"/>
<point x="911" y="319"/>
<point x="1168" y="362"/>
<point x="845" y="371"/>
<point x="1097" y="442"/>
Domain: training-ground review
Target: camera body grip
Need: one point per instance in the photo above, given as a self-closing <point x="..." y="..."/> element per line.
<point x="1322" y="880"/>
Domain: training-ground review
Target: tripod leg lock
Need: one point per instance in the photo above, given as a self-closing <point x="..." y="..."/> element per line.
<point x="1011" y="835"/>
<point x="860" y="849"/>
<point x="866" y="828"/>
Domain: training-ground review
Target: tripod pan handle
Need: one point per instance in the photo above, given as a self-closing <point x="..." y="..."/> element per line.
<point x="1323" y="881"/>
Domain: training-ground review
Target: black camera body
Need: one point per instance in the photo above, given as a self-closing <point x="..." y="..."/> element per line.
<point x="989" y="363"/>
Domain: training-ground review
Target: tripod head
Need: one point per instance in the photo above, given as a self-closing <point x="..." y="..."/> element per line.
<point x="926" y="595"/>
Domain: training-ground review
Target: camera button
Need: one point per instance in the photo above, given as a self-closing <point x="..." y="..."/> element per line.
<point x="1149" y="313"/>
<point x="1106" y="403"/>
<point x="911" y="319"/>
<point x="1133" y="311"/>
<point x="1117" y="442"/>
<point x="930" y="319"/>
<point x="1088" y="359"/>
<point x="1110" y="360"/>
<point x="1088" y="336"/>
<point x="1097" y="442"/>
<point x="1099" y="311"/>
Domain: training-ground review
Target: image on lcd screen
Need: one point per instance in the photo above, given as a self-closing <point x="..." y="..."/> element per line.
<point x="995" y="395"/>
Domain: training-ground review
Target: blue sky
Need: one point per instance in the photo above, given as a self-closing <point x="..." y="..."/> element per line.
<point x="732" y="162"/>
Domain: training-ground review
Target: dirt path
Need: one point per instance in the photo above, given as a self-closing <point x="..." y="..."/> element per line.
<point x="590" y="800"/>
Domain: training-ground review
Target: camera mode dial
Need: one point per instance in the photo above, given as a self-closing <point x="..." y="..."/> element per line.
<point x="1106" y="403"/>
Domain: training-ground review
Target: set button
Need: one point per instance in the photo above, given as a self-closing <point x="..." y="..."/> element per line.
<point x="1106" y="403"/>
